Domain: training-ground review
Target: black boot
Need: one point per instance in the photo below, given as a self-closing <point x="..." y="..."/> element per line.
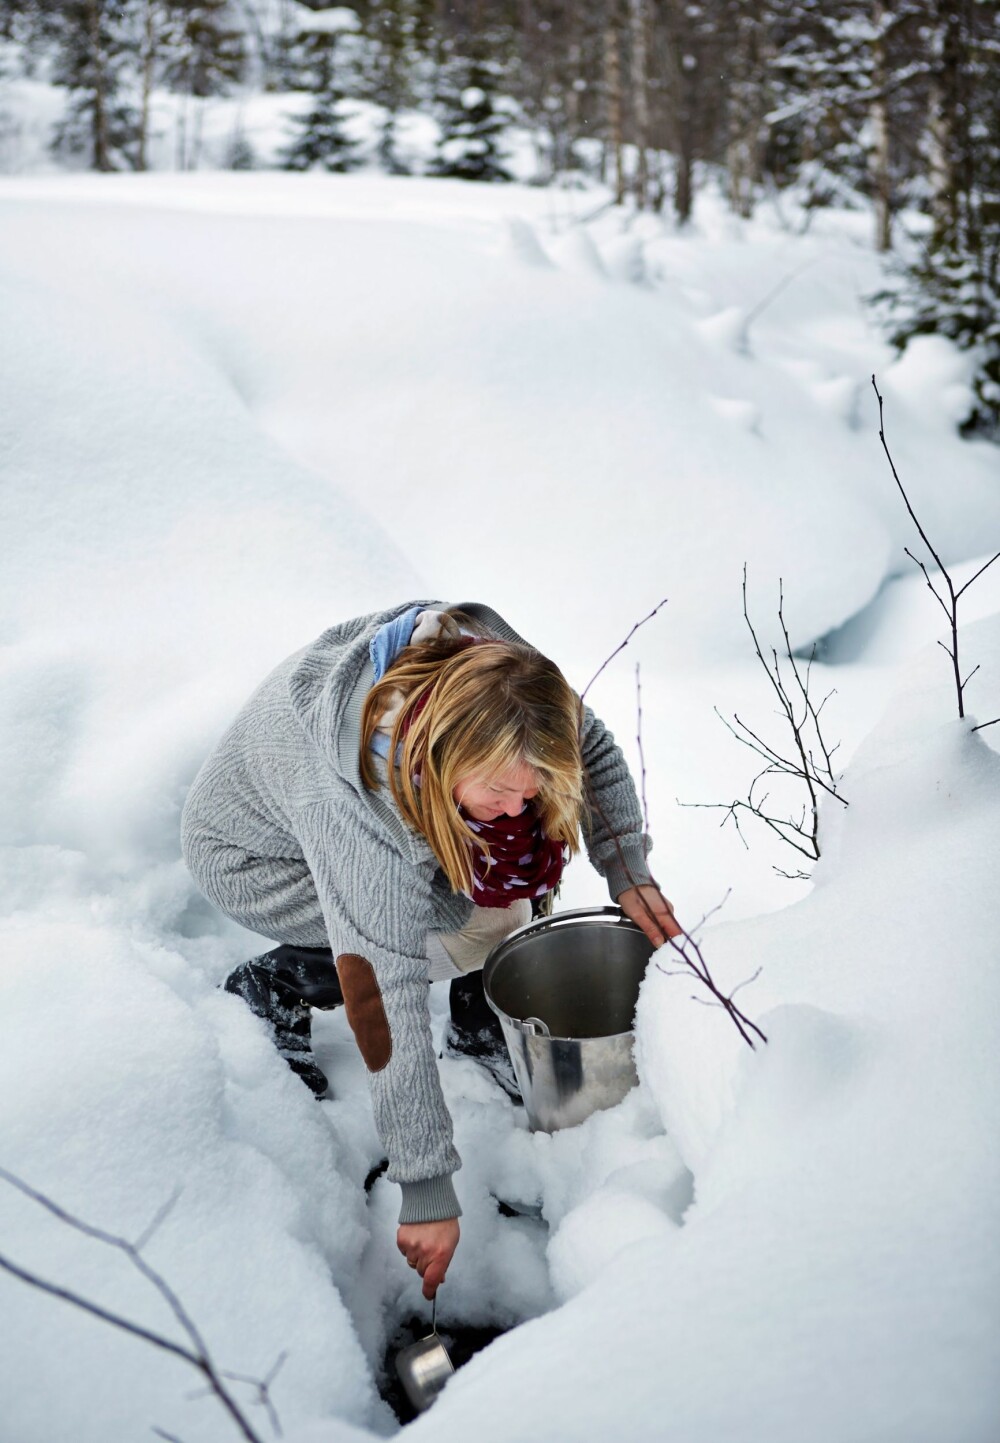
<point x="475" y="1032"/>
<point x="281" y="986"/>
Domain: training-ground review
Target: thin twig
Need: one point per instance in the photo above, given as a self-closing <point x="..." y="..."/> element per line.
<point x="622" y="645"/>
<point x="978" y="574"/>
<point x="712" y="911"/>
<point x="638" y="738"/>
<point x="951" y="608"/>
<point x="694" y="959"/>
<point x="906" y="500"/>
<point x="698" y="965"/>
<point x="197" y="1355"/>
<point x="160" y="1218"/>
<point x="802" y="717"/>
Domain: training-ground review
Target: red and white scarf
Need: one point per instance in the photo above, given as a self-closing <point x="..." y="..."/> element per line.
<point x="524" y="862"/>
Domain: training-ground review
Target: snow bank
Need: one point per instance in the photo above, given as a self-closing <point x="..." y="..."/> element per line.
<point x="133" y="1085"/>
<point x="836" y="1276"/>
<point x="243" y="407"/>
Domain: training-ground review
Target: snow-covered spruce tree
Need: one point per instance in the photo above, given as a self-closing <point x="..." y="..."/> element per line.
<point x="394" y="62"/>
<point x="472" y="127"/>
<point x="92" y="57"/>
<point x="206" y="57"/>
<point x="953" y="289"/>
<point x="847" y="81"/>
<point x="321" y="141"/>
<point x="689" y="55"/>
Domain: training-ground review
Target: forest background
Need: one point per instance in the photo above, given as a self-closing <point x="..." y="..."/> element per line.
<point x="891" y="107"/>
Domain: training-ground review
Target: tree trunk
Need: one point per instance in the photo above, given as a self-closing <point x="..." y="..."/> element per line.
<point x="572" y="135"/>
<point x="683" y="185"/>
<point x="101" y="154"/>
<point x="944" y="123"/>
<point x="613" y="103"/>
<point x="180" y="158"/>
<point x="879" y="156"/>
<point x="148" y="62"/>
<point x="199" y="120"/>
<point x="745" y="110"/>
<point x="640" y="99"/>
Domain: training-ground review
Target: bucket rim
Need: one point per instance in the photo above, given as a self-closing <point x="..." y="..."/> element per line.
<point x="576" y="916"/>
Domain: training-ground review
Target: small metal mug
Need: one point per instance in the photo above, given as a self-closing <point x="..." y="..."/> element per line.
<point x="424" y="1368"/>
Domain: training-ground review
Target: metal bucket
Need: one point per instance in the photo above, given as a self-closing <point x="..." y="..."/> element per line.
<point x="565" y="988"/>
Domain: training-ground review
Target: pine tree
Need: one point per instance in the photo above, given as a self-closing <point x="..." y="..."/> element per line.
<point x="691" y="56"/>
<point x="392" y="31"/>
<point x="848" y="82"/>
<point x="206" y="57"/>
<point x="321" y="141"/>
<point x="954" y="289"/>
<point x="471" y="126"/>
<point x="92" y="58"/>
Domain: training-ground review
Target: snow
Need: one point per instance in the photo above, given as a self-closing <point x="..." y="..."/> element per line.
<point x="338" y="20"/>
<point x="241" y="407"/>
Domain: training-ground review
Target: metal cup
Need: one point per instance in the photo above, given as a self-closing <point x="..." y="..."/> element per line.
<point x="424" y="1368"/>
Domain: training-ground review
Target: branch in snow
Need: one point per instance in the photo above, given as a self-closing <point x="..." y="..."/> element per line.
<point x="810" y="759"/>
<point x="684" y="944"/>
<point x="622" y="645"/>
<point x="195" y="1352"/>
<point x="949" y="607"/>
<point x="691" y="955"/>
<point x="638" y="741"/>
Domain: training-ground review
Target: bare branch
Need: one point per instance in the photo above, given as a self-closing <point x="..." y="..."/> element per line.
<point x="951" y="608"/>
<point x="811" y="761"/>
<point x="638" y="738"/>
<point x="694" y="960"/>
<point x="978" y="574"/>
<point x="712" y="911"/>
<point x="622" y="645"/>
<point x="930" y="585"/>
<point x="906" y="500"/>
<point x="69" y="1296"/>
<point x="159" y="1219"/>
<point x="983" y="725"/>
<point x="746" y="982"/>
<point x="262" y="1387"/>
<point x="197" y="1355"/>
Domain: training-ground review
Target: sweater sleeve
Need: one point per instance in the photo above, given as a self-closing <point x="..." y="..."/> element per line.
<point x="378" y="918"/>
<point x="615" y="840"/>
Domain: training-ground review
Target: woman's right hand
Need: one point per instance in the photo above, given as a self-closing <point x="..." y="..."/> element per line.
<point x="429" y="1247"/>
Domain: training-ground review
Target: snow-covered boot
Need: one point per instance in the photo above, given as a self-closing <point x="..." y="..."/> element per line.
<point x="281" y="986"/>
<point x="475" y="1032"/>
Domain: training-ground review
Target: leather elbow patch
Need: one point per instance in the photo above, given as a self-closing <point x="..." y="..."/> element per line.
<point x="365" y="1012"/>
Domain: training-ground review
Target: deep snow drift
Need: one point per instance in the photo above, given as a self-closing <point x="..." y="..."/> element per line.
<point x="240" y="408"/>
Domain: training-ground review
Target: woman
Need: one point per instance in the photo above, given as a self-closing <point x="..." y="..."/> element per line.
<point x="387" y="806"/>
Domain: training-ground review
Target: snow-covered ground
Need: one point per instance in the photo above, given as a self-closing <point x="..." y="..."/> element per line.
<point x="239" y="407"/>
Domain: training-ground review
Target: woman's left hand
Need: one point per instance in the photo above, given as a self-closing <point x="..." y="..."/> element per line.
<point x="638" y="903"/>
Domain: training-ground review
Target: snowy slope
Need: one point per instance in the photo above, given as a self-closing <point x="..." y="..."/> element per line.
<point x="242" y="407"/>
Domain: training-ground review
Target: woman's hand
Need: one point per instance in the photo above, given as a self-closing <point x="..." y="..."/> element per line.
<point x="638" y="902"/>
<point x="429" y="1247"/>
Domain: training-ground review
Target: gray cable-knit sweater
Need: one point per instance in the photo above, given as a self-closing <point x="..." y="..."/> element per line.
<point x="280" y="833"/>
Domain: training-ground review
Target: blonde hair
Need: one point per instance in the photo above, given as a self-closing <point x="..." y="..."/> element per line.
<point x="486" y="708"/>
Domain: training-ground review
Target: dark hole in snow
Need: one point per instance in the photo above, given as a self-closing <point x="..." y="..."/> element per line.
<point x="462" y="1344"/>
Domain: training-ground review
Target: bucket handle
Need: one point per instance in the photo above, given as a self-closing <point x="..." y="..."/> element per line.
<point x="556" y="919"/>
<point x="533" y="1027"/>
